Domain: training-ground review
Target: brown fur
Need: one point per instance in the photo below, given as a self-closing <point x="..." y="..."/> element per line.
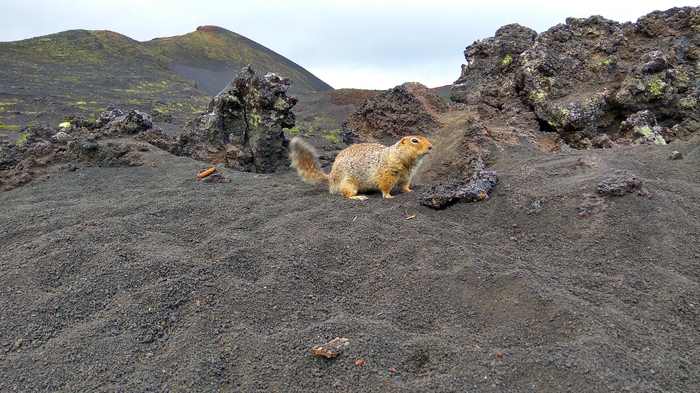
<point x="364" y="166"/>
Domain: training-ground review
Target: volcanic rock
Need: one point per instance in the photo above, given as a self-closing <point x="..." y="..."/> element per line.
<point x="68" y="147"/>
<point x="242" y="128"/>
<point x="488" y="75"/>
<point x="622" y="184"/>
<point x="407" y="109"/>
<point x="464" y="189"/>
<point x="643" y="128"/>
<point x="581" y="79"/>
<point x="115" y="122"/>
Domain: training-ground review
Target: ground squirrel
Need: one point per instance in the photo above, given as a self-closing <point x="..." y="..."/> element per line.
<point x="364" y="166"/>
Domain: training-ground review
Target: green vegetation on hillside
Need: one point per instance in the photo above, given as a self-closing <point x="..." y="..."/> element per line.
<point x="217" y="49"/>
<point x="81" y="72"/>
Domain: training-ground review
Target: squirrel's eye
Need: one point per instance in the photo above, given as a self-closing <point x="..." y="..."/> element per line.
<point x="414" y="140"/>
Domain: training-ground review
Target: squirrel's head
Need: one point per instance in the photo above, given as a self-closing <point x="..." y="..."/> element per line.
<point x="416" y="144"/>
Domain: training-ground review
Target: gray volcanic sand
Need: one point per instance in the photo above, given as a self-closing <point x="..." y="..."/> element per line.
<point x="147" y="279"/>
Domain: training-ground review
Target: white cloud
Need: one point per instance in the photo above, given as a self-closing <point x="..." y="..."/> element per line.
<point x="381" y="79"/>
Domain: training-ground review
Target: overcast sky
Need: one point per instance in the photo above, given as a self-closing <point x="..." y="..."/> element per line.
<point x="361" y="44"/>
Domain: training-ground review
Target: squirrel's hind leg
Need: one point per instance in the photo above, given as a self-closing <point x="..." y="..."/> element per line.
<point x="359" y="197"/>
<point x="352" y="194"/>
<point x="349" y="190"/>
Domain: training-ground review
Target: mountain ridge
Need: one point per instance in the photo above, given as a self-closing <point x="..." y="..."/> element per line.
<point x="82" y="71"/>
<point x="226" y="59"/>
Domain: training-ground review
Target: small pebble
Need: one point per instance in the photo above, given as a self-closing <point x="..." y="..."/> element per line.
<point x="675" y="155"/>
<point x="18" y="344"/>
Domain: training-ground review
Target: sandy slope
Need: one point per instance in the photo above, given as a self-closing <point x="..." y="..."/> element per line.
<point x="141" y="279"/>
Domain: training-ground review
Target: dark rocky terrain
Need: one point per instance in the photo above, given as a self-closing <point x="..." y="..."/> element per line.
<point x="583" y="79"/>
<point x="79" y="72"/>
<point x="577" y="270"/>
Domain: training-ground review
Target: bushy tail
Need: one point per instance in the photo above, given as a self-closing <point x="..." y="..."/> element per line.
<point x="305" y="161"/>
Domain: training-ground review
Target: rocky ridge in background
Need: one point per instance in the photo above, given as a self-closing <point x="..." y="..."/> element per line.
<point x="211" y="56"/>
<point x="407" y="109"/>
<point x="583" y="79"/>
<point x="81" y="142"/>
<point x="587" y="83"/>
<point x="45" y="79"/>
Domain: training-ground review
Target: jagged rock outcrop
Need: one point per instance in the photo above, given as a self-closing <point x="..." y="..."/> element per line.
<point x="584" y="78"/>
<point x="407" y="109"/>
<point x="114" y="121"/>
<point x="80" y="142"/>
<point x="242" y="128"/>
<point x="488" y="75"/>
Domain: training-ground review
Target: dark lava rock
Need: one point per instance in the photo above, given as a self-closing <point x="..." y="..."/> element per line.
<point x="621" y="185"/>
<point x="80" y="142"/>
<point x="462" y="189"/>
<point x="109" y="115"/>
<point x="583" y="78"/>
<point x="488" y="75"/>
<point x="617" y="185"/>
<point x="407" y="109"/>
<point x="642" y="128"/>
<point x="132" y="122"/>
<point x="242" y="128"/>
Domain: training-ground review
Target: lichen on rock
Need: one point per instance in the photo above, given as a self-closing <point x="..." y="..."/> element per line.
<point x="243" y="126"/>
<point x="581" y="79"/>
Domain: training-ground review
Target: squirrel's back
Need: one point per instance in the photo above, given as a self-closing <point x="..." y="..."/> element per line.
<point x="364" y="166"/>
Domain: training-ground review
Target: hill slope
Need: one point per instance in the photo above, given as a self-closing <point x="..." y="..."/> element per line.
<point x="213" y="53"/>
<point x="80" y="71"/>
